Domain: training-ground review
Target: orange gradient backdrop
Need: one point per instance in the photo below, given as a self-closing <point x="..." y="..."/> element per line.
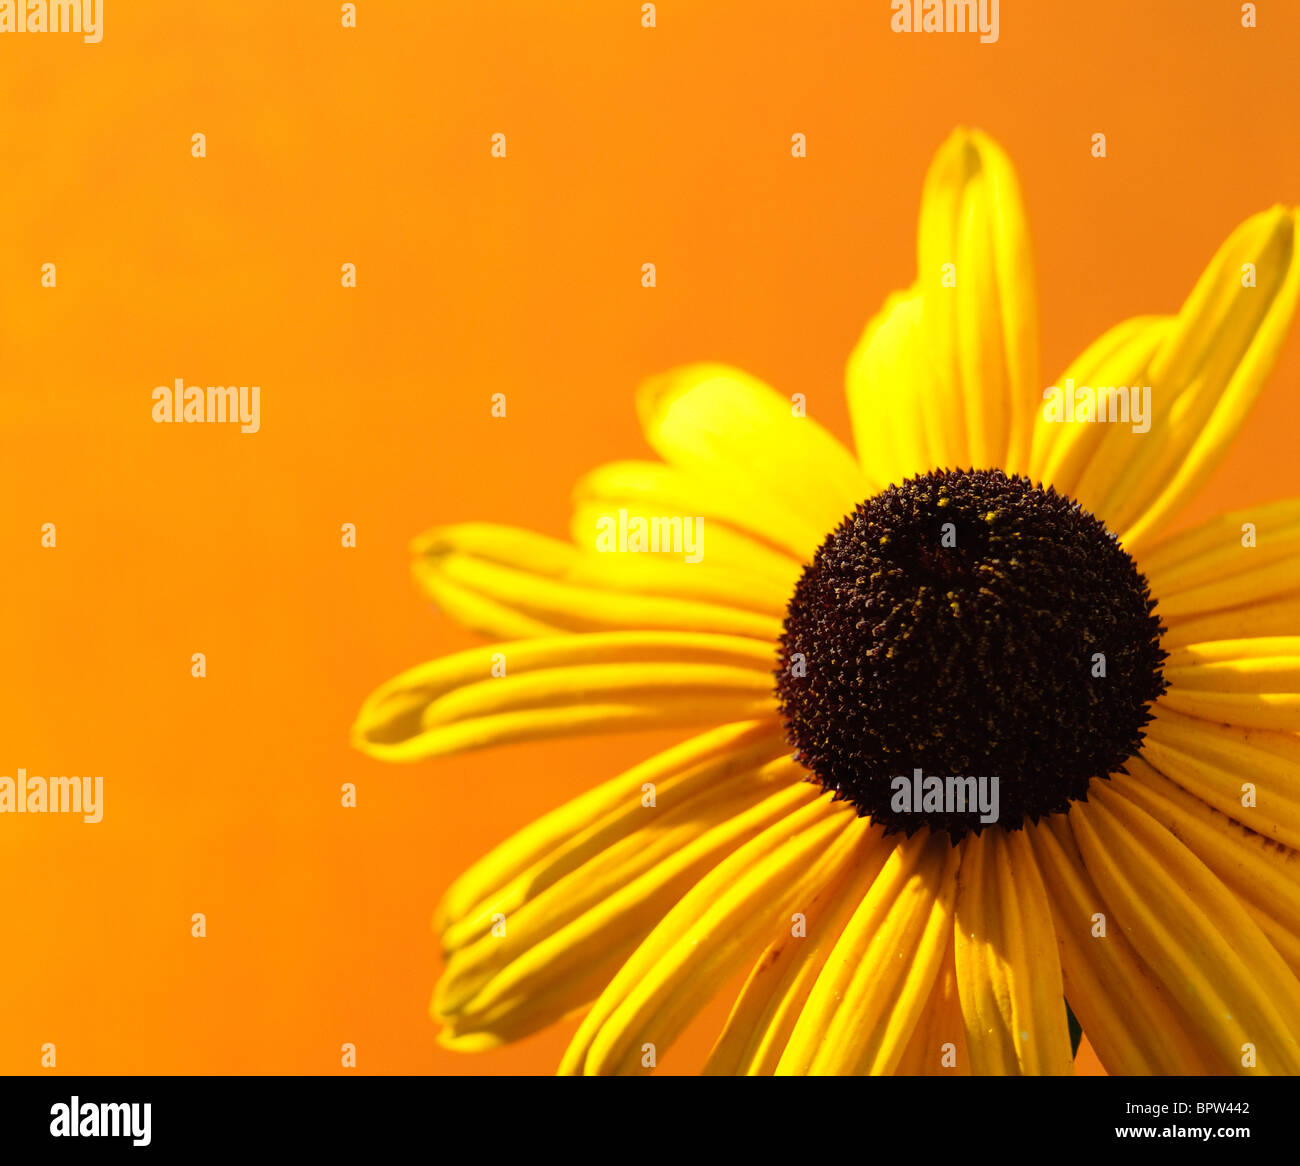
<point x="475" y="276"/>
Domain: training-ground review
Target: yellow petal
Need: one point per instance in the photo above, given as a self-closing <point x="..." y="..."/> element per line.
<point x="556" y="951"/>
<point x="723" y="424"/>
<point x="979" y="306"/>
<point x="560" y="588"/>
<point x="1264" y="875"/>
<point x="741" y="537"/>
<point x="724" y="921"/>
<point x="1252" y="683"/>
<point x="1275" y="618"/>
<point x="1252" y="775"/>
<point x="1204" y="379"/>
<point x="561" y="841"/>
<point x="875" y="986"/>
<point x="1231" y="560"/>
<point x="938" y="1045"/>
<point x="1062" y="449"/>
<point x="889" y="377"/>
<point x="769" y="1005"/>
<point x="563" y="685"/>
<point x="1008" y="971"/>
<point x="1132" y="1024"/>
<point x="1190" y="930"/>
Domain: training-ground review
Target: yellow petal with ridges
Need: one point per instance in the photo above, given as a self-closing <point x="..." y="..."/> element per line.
<point x="724" y="921"/>
<point x="550" y="848"/>
<point x="1262" y="874"/>
<point x="772" y="1000"/>
<point x="873" y="991"/>
<point x="560" y="950"/>
<point x="561" y="587"/>
<point x="725" y="424"/>
<point x="1132" y="1024"/>
<point x="1192" y="934"/>
<point x="975" y="273"/>
<point x="560" y="685"/>
<point x="1251" y="775"/>
<point x="1008" y="971"/>
<point x="1204" y="380"/>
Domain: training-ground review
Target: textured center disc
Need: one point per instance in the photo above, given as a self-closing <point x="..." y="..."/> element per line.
<point x="968" y="625"/>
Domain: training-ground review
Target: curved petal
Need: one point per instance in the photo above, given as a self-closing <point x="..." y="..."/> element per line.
<point x="1133" y="1026"/>
<point x="563" y="685"/>
<point x="889" y="377"/>
<point x="1253" y="683"/>
<point x="556" y="950"/>
<point x="1251" y="775"/>
<point x="709" y="757"/>
<point x="556" y="587"/>
<point x="1206" y="952"/>
<point x="741" y="538"/>
<point x="1008" y="971"/>
<point x="724" y="921"/>
<point x="732" y="429"/>
<point x="1204" y="378"/>
<point x="1264" y="875"/>
<point x="874" y="989"/>
<point x="979" y="306"/>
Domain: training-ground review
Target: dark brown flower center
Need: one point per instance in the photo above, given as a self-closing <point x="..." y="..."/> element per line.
<point x="968" y="649"/>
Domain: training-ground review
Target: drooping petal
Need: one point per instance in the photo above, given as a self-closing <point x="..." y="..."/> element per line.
<point x="722" y="923"/>
<point x="564" y="839"/>
<point x="564" y="685"/>
<point x="938" y="1045"/>
<point x="1264" y="875"/>
<point x="1008" y="970"/>
<point x="1192" y="935"/>
<point x="874" y="988"/>
<point x="1252" y="683"/>
<point x="1251" y="775"/>
<point x="1133" y="1026"/>
<point x="979" y="306"/>
<point x="557" y="588"/>
<point x="1204" y="379"/>
<point x="772" y="1000"/>
<point x="555" y="950"/>
<point x="733" y="430"/>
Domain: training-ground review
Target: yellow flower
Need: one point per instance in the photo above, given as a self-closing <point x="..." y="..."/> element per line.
<point x="958" y="622"/>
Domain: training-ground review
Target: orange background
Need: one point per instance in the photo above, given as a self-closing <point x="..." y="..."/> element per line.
<point x="476" y="276"/>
